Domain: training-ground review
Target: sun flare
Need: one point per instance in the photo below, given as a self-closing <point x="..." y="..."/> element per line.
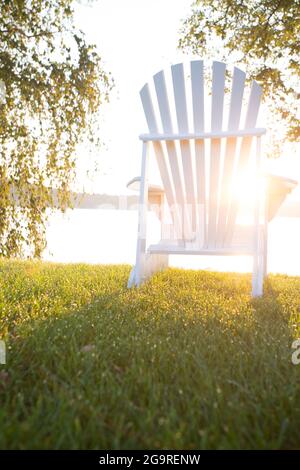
<point x="247" y="185"/>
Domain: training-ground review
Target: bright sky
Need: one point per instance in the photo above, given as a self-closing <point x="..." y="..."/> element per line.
<point x="135" y="38"/>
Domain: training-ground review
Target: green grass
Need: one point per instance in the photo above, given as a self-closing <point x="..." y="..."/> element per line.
<point x="186" y="361"/>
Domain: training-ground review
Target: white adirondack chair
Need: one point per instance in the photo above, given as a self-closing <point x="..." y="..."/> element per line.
<point x="199" y="162"/>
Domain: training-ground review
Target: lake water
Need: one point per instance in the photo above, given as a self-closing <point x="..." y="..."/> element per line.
<point x="109" y="236"/>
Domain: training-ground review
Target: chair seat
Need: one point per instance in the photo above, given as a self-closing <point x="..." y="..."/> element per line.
<point x="242" y="243"/>
<point x="184" y="250"/>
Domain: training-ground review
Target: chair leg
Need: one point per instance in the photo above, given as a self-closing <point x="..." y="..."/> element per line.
<point x="148" y="264"/>
<point x="258" y="274"/>
<point x="257" y="277"/>
<point x="135" y="275"/>
<point x="131" y="281"/>
<point x="265" y="252"/>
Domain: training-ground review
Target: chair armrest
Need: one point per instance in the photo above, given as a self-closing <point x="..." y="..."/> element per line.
<point x="155" y="192"/>
<point x="278" y="187"/>
<point x="134" y="185"/>
<point x="282" y="181"/>
<point x="203" y="135"/>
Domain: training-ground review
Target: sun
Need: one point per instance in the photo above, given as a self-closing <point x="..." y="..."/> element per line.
<point x="248" y="186"/>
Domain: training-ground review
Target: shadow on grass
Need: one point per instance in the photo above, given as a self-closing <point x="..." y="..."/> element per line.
<point x="186" y="361"/>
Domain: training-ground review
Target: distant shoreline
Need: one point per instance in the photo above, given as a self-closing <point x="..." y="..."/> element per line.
<point x="125" y="202"/>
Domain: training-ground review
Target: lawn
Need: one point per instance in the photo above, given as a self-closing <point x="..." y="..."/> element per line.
<point x="186" y="361"/>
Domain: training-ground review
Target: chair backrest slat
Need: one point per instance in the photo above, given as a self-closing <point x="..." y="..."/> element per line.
<point x="158" y="148"/>
<point x="235" y="108"/>
<point x="250" y="122"/>
<point x="197" y="83"/>
<point x="164" y="108"/>
<point x="183" y="127"/>
<point x="217" y="101"/>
